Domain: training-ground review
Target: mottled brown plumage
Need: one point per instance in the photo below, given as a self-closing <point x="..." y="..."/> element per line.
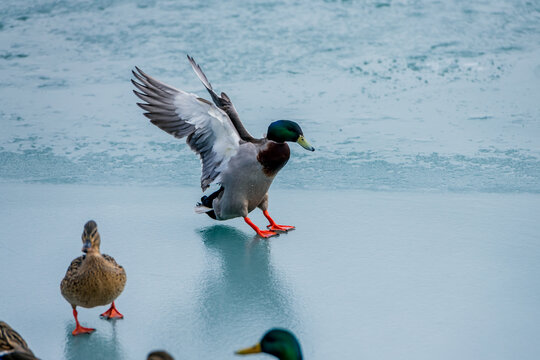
<point x="93" y="279"/>
<point x="12" y="345"/>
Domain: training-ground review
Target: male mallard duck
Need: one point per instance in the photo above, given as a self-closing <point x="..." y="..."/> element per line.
<point x="93" y="279"/>
<point x="159" y="355"/>
<point x="12" y="345"/>
<point x="278" y="342"/>
<point x="244" y="166"/>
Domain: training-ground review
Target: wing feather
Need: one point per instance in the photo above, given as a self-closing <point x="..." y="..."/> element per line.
<point x="158" y="108"/>
<point x="208" y="129"/>
<point x="223" y="102"/>
<point x="153" y="100"/>
<point x="147" y="90"/>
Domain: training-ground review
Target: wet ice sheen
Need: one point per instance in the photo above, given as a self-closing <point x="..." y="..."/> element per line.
<point x="379" y="275"/>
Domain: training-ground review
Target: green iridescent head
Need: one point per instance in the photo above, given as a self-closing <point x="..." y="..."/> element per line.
<point x="278" y="342"/>
<point x="286" y="130"/>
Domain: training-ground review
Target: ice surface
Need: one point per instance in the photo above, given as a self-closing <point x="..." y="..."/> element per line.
<point x="399" y="95"/>
<point x="366" y="275"/>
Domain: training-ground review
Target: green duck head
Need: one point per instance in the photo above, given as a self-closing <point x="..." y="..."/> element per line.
<point x="90" y="238"/>
<point x="286" y="130"/>
<point x="278" y="342"/>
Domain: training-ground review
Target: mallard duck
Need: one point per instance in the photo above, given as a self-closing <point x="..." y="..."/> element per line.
<point x="93" y="279"/>
<point x="159" y="355"/>
<point x="243" y="165"/>
<point x="278" y="342"/>
<point x="12" y="345"/>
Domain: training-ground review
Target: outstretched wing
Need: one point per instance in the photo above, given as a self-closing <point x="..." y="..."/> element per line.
<point x="209" y="130"/>
<point x="223" y="102"/>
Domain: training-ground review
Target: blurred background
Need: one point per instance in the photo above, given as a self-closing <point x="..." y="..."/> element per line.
<point x="400" y="95"/>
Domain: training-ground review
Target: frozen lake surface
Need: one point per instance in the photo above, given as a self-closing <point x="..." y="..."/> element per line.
<point x="398" y="95"/>
<point x="417" y="214"/>
<point x="366" y="275"/>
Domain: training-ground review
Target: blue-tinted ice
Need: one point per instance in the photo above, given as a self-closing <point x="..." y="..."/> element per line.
<point x="417" y="215"/>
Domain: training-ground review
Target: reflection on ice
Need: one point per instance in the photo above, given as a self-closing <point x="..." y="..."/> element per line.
<point x="245" y="288"/>
<point x="98" y="345"/>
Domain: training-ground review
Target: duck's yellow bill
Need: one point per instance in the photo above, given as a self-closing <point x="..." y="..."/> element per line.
<point x="303" y="143"/>
<point x="251" y="350"/>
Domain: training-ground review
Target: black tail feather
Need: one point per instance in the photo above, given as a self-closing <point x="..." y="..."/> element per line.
<point x="208" y="200"/>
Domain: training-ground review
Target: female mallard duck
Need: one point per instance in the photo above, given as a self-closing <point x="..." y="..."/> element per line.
<point x="244" y="166"/>
<point x="93" y="279"/>
<point x="278" y="342"/>
<point x="12" y="345"/>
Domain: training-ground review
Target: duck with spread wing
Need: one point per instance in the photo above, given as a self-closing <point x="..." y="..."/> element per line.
<point x="243" y="165"/>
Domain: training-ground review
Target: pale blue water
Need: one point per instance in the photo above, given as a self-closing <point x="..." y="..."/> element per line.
<point x="398" y="95"/>
<point x="435" y="105"/>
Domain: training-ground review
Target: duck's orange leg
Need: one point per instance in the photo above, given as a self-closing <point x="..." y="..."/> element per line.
<point x="275" y="227"/>
<point x="112" y="313"/>
<point x="261" y="233"/>
<point x="78" y="328"/>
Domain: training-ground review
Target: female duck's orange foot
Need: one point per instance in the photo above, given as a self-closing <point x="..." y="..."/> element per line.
<point x="78" y="328"/>
<point x="112" y="313"/>
<point x="276" y="227"/>
<point x="82" y="330"/>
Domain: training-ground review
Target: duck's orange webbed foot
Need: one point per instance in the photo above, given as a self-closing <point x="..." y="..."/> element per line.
<point x="82" y="330"/>
<point x="78" y="328"/>
<point x="267" y="233"/>
<point x="112" y="313"/>
<point x="262" y="233"/>
<point x="275" y="227"/>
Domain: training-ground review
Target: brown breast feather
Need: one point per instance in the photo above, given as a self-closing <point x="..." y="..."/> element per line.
<point x="273" y="157"/>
